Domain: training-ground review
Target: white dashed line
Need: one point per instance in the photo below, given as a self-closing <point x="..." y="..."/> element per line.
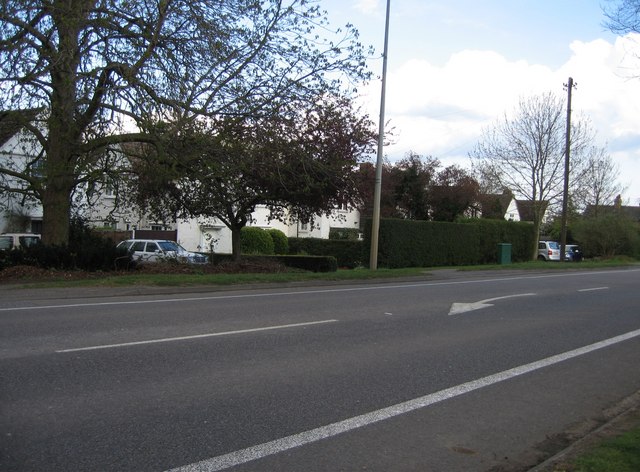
<point x="196" y="336"/>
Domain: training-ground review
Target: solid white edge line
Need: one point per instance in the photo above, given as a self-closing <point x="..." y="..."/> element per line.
<point x="195" y="336"/>
<point x="260" y="451"/>
<point x="593" y="289"/>
<point x="306" y="292"/>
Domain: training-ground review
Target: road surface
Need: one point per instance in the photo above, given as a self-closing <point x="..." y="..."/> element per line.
<point x="479" y="372"/>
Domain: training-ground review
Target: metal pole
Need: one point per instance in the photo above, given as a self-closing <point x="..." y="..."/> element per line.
<point x="565" y="193"/>
<point x="375" y="225"/>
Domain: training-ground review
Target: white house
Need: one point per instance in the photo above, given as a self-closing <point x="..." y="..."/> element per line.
<point x="18" y="213"/>
<point x="100" y="206"/>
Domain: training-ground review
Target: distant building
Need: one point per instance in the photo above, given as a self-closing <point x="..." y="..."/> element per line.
<point x="632" y="212"/>
<point x="504" y="206"/>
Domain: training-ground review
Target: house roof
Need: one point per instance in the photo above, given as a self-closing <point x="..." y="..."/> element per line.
<point x="526" y="208"/>
<point x="12" y="121"/>
<point x="494" y="205"/>
<point x="632" y="212"/>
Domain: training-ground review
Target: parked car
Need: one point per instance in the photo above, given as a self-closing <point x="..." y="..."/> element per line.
<point x="156" y="250"/>
<point x="18" y="240"/>
<point x="573" y="252"/>
<point x="548" y="251"/>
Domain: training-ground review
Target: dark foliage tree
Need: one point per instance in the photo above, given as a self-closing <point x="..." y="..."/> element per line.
<point x="102" y="70"/>
<point x="299" y="165"/>
<point x="454" y="192"/>
<point x="413" y="177"/>
<point x="365" y="184"/>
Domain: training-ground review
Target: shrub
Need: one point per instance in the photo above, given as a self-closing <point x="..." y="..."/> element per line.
<point x="280" y="241"/>
<point x="256" y="241"/>
<point x="349" y="254"/>
<point x="351" y="234"/>
<point x="86" y="251"/>
<point x="608" y="235"/>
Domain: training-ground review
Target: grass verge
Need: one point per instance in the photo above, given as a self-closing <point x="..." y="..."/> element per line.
<point x="229" y="279"/>
<point x="620" y="454"/>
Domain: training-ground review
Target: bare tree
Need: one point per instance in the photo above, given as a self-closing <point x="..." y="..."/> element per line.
<point x="623" y="16"/>
<point x="102" y="70"/>
<point x="599" y="183"/>
<point x="525" y="152"/>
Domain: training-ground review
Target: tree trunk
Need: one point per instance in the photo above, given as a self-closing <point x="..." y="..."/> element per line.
<point x="236" y="243"/>
<point x="56" y="212"/>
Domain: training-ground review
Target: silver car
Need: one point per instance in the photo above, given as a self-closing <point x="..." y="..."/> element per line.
<point x="156" y="250"/>
<point x="548" y="251"/>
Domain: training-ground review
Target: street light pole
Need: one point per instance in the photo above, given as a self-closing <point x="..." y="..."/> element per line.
<point x="375" y="224"/>
<point x="565" y="194"/>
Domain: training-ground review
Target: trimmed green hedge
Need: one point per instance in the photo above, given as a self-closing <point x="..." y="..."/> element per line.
<point x="349" y="254"/>
<point x="410" y="243"/>
<point x="310" y="263"/>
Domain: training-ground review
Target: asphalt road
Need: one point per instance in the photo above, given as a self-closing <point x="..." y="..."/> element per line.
<point x="476" y="372"/>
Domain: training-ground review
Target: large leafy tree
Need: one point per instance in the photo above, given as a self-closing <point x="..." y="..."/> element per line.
<point x="524" y="152"/>
<point x="102" y="70"/>
<point x="413" y="177"/>
<point x="299" y="164"/>
<point x="454" y="193"/>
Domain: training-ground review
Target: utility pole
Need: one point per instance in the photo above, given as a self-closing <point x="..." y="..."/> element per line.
<point x="565" y="194"/>
<point x="375" y="223"/>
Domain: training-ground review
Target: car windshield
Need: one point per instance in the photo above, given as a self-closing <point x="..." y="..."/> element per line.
<point x="554" y="245"/>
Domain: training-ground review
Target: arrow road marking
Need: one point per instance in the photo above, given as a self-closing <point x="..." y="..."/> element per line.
<point x="458" y="308"/>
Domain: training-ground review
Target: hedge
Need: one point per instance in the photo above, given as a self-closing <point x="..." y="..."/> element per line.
<point x="409" y="243"/>
<point x="348" y="253"/>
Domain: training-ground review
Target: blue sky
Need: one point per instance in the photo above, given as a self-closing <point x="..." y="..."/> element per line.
<point x="455" y="66"/>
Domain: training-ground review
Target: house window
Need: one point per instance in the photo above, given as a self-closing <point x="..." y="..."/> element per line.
<point x="109" y="188"/>
<point x="157" y="228"/>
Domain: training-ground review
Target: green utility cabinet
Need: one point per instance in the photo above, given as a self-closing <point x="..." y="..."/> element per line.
<point x="504" y="253"/>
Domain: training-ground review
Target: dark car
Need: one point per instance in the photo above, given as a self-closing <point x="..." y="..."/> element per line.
<point x="573" y="253"/>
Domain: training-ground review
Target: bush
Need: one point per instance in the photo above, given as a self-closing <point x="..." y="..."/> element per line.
<point x="86" y="251"/>
<point x="349" y="254"/>
<point x="608" y="235"/>
<point x="351" y="234"/>
<point x="256" y="241"/>
<point x="280" y="241"/>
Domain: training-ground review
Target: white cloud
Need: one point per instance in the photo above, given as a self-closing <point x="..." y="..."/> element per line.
<point x="441" y="110"/>
<point x="367" y="6"/>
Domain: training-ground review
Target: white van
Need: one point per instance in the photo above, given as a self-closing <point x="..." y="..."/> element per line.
<point x="18" y="240"/>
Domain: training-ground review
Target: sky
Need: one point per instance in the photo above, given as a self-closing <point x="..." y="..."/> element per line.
<point x="456" y="66"/>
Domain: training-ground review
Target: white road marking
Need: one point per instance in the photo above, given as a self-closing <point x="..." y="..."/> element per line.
<point x="307" y="292"/>
<point x="195" y="336"/>
<point x="593" y="289"/>
<point x="260" y="451"/>
<point x="458" y="308"/>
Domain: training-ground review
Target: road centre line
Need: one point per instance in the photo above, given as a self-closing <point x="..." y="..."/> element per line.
<point x="195" y="336"/>
<point x="593" y="289"/>
<point x="307" y="292"/>
<point x="260" y="451"/>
